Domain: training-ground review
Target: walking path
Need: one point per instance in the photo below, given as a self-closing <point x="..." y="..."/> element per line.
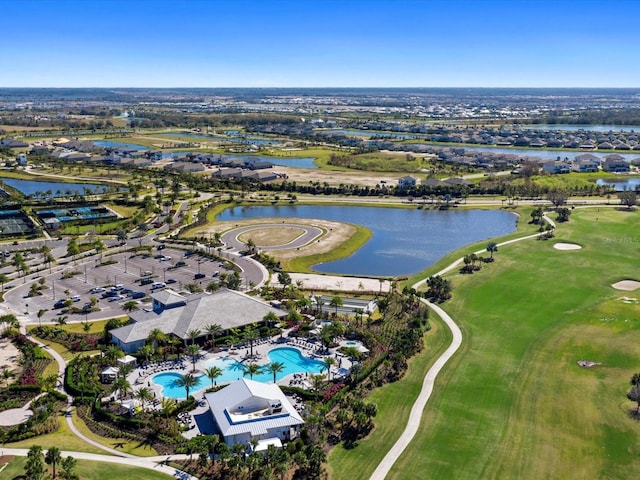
<point x="415" y="416"/>
<point x="150" y="463"/>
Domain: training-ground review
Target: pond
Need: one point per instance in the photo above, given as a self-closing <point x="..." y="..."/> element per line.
<point x="109" y="144"/>
<point x="403" y="241"/>
<point x="251" y="140"/>
<point x="29" y="187"/>
<point x="621" y="185"/>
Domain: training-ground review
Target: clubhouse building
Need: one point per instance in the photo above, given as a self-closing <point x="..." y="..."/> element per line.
<point x="177" y="315"/>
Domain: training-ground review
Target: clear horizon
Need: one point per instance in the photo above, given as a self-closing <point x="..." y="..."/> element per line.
<point x="313" y="44"/>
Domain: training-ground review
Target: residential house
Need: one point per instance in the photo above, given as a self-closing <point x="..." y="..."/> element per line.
<point x="615" y="164"/>
<point x="556" y="167"/>
<point x="585" y="166"/>
<point x="406" y="182"/>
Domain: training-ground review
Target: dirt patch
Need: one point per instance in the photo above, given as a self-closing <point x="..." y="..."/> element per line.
<point x="306" y="175"/>
<point x="567" y="246"/>
<point x="270" y="236"/>
<point x="627" y="285"/>
<point x="335" y="234"/>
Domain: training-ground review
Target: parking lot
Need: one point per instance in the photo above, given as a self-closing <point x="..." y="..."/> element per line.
<point x="169" y="267"/>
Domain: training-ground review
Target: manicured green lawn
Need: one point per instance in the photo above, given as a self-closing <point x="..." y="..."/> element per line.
<point x="62" y="438"/>
<point x="90" y="470"/>
<point x="513" y="403"/>
<point x="394" y="401"/>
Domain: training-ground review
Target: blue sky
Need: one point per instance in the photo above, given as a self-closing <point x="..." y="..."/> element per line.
<point x="328" y="43"/>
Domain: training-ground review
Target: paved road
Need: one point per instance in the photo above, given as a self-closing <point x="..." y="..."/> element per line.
<point x="415" y="416"/>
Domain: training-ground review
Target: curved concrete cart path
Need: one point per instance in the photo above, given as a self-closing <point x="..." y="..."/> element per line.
<point x="415" y="416"/>
<point x="142" y="462"/>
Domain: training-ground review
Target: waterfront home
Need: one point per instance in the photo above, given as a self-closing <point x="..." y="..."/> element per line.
<point x="406" y="182"/>
<point x="615" y="164"/>
<point x="584" y="166"/>
<point x="556" y="167"/>
<point x="247" y="411"/>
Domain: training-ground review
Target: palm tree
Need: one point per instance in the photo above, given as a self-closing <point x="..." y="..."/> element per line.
<point x="169" y="406"/>
<point x="112" y="353"/>
<point x="49" y="259"/>
<point x="270" y="319"/>
<point x="252" y="369"/>
<point x="3" y="279"/>
<point x="99" y="247"/>
<point x="492" y="247"/>
<point x="193" y="334"/>
<point x="187" y="382"/>
<point x="130" y="306"/>
<point x="146" y="351"/>
<point x="336" y="302"/>
<point x="212" y="330"/>
<point x="212" y="287"/>
<point x="212" y="373"/>
<point x="121" y="385"/>
<point x="52" y="458"/>
<point x="41" y="313"/>
<point x="157" y="337"/>
<point x="251" y="334"/>
<point x="329" y="362"/>
<point x="275" y="367"/>
<point x="144" y="394"/>
<point x="193" y="351"/>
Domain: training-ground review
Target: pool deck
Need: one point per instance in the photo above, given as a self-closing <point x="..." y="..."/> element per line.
<point x="200" y="420"/>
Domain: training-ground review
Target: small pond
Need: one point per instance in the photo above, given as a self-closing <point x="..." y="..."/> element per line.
<point x="58" y="189"/>
<point x="632" y="183"/>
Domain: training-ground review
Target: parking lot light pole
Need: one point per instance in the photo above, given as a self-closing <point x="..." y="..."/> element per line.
<point x="125" y="264"/>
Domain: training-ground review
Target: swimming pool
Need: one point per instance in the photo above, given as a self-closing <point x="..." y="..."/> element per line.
<point x="232" y="370"/>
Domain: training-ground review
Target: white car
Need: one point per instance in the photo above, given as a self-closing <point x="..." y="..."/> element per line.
<point x="116" y="298"/>
<point x="165" y="259"/>
<point x="155" y="285"/>
<point x="98" y="290"/>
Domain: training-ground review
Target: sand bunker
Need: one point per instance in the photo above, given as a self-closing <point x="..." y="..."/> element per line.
<point x="626" y="285"/>
<point x="567" y="246"/>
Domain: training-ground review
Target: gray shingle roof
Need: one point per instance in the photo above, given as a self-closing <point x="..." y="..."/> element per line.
<point x="227" y="308"/>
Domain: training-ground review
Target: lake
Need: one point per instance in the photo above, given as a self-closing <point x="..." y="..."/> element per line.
<point x="252" y="140"/>
<point x="109" y="144"/>
<point x="545" y="154"/>
<point x="586" y="128"/>
<point x="621" y="185"/>
<point x="29" y="187"/>
<point x="403" y="241"/>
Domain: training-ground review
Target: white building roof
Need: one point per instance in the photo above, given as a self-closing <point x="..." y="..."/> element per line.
<point x="244" y="407"/>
